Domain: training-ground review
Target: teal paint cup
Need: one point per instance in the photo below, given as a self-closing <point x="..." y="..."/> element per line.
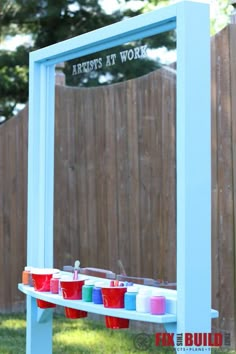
<point x="87" y="291"/>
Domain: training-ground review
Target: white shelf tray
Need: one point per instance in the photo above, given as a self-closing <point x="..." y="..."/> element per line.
<point x="169" y="317"/>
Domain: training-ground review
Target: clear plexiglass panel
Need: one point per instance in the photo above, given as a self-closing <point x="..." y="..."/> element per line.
<point x="115" y="163"/>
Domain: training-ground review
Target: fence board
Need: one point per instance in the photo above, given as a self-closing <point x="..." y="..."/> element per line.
<point x="91" y="179"/>
<point x="214" y="181"/>
<point x="61" y="215"/>
<point x="133" y="266"/>
<point x="232" y="52"/>
<point x="70" y="137"/>
<point x="2" y="183"/>
<point x="82" y="241"/>
<point x="121" y="134"/>
<point x="111" y="218"/>
<point x="225" y="186"/>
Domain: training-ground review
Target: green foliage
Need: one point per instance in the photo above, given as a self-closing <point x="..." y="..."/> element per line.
<point x="13" y="79"/>
<point x="220" y="14"/>
<point x="52" y="21"/>
<point x="48" y="22"/>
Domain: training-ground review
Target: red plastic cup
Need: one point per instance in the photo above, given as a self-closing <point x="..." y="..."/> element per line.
<point x="41" y="281"/>
<point x="72" y="290"/>
<point x="45" y="304"/>
<point x="116" y="322"/>
<point x="74" y="313"/>
<point x="113" y="297"/>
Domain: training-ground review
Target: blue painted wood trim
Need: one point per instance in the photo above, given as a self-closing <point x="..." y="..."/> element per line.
<point x="40" y="166"/>
<point x="38" y="334"/>
<point x="40" y="195"/>
<point x="193" y="168"/>
<point x="44" y="315"/>
<point x="134" y="28"/>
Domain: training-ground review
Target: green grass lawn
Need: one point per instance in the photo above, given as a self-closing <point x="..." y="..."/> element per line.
<point x="73" y="337"/>
<point x="76" y="336"/>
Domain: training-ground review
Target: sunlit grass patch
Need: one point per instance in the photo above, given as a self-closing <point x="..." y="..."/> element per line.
<point x="82" y="336"/>
<point x="12" y="334"/>
<point x="86" y="336"/>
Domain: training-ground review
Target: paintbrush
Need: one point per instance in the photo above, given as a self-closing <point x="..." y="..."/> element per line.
<point x="76" y="270"/>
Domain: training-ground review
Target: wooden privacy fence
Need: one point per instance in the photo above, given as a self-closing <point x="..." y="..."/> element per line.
<point x="13" y="208"/>
<point x="116" y="159"/>
<point x="115" y="181"/>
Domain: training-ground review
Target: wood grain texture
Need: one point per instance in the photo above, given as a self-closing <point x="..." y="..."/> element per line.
<point x="223" y="213"/>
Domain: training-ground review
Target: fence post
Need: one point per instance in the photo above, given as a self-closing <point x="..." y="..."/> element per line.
<point x="60" y="76"/>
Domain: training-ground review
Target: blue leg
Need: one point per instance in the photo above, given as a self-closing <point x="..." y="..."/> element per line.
<point x="39" y="329"/>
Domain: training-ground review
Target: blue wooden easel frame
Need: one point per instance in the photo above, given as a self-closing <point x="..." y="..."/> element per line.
<point x="193" y="134"/>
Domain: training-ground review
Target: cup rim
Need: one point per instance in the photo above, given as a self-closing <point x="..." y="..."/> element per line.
<point x="72" y="280"/>
<point x="114" y="287"/>
<point x="44" y="271"/>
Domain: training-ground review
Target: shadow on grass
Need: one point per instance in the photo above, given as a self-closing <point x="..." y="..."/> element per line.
<point x="83" y="336"/>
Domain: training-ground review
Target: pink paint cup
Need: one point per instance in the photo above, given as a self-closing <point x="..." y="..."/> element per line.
<point x="157" y="305"/>
<point x="72" y="290"/>
<point x="41" y="280"/>
<point x="113" y="297"/>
